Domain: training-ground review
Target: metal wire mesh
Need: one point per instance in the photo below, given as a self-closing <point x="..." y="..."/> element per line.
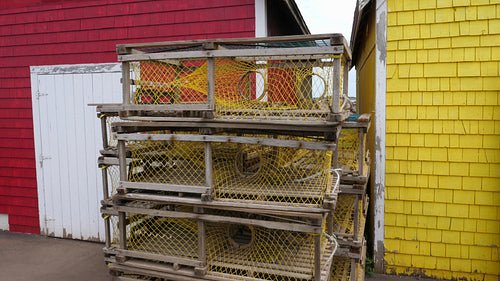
<point x="241" y="172"/>
<point x="345" y="216"/>
<point x="295" y="87"/>
<point x="257" y="252"/>
<point x="349" y="150"/>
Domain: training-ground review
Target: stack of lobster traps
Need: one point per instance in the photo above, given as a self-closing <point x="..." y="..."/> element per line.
<point x="226" y="159"/>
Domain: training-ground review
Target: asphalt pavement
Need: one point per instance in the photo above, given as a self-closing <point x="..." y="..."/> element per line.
<point x="27" y="257"/>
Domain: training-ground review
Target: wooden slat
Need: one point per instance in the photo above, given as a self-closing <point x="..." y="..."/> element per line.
<point x="167" y="107"/>
<point x="299" y="227"/>
<point x="164" y="187"/>
<point x="275" y="53"/>
<point x="335" y="39"/>
<point x="233" y="205"/>
<point x="330" y="146"/>
<point x="157" y="257"/>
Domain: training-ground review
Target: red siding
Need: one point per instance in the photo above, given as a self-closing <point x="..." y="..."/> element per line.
<point x="49" y="32"/>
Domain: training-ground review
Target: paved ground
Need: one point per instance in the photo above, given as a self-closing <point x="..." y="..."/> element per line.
<point x="25" y="257"/>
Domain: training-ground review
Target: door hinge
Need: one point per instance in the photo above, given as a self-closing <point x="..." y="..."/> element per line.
<point x="38" y="95"/>
<point x="43" y="158"/>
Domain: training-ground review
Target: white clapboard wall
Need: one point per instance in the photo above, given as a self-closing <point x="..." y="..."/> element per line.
<point x="67" y="142"/>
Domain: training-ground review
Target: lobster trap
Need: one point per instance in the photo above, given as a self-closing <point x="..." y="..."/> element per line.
<point x="349" y="218"/>
<point x="216" y="244"/>
<point x="347" y="269"/>
<point x="234" y="169"/>
<point x="267" y="79"/>
<point x="353" y="153"/>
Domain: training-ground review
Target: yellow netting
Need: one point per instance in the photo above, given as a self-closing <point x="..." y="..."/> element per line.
<point x="341" y="270"/>
<point x="164" y="236"/>
<point x="173" y="162"/>
<point x="252" y="173"/>
<point x="246" y="251"/>
<point x="345" y="213"/>
<point x="268" y="88"/>
<point x="349" y="150"/>
<point x="272" y="174"/>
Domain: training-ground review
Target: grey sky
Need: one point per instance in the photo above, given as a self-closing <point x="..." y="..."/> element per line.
<point x="330" y="16"/>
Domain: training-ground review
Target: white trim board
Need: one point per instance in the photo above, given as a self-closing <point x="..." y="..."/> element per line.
<point x="379" y="146"/>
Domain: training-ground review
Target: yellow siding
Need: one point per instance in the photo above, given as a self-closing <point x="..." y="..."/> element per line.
<point x="442" y="216"/>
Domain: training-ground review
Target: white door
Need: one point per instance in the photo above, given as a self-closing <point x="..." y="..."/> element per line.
<point x="67" y="142"/>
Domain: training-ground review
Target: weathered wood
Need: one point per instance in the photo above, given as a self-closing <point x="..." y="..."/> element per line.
<point x="126" y="82"/>
<point x="158" y="257"/>
<point x="334" y="38"/>
<point x="275" y="53"/>
<point x="107" y="233"/>
<point x="167" y="107"/>
<point x="290" y="226"/>
<point x="211" y="82"/>
<point x="105" y="161"/>
<point x="104" y="131"/>
<point x="336" y="86"/>
<point x="330" y="146"/>
<point x="304" y="210"/>
<point x="317" y="258"/>
<point x="122" y="230"/>
<point x="164" y="187"/>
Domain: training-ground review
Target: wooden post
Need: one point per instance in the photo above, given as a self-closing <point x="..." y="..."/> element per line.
<point x="345" y="79"/>
<point x="122" y="224"/>
<point x="336" y="86"/>
<point x="211" y="83"/>
<point x="107" y="233"/>
<point x="208" y="170"/>
<point x="202" y="245"/>
<point x="361" y="152"/>
<point x="105" y="188"/>
<point x="126" y="82"/>
<point x="317" y="253"/>
<point x="329" y="222"/>
<point x="104" y="131"/>
<point x="357" y="213"/>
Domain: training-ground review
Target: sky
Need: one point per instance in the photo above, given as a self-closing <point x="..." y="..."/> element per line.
<point x="330" y="16"/>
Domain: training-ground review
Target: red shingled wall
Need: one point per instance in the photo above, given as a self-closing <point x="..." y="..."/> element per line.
<point x="51" y="32"/>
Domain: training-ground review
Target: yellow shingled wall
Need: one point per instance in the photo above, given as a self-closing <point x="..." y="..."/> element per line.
<point x="442" y="204"/>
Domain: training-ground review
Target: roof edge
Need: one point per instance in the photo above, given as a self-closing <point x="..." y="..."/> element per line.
<point x="294" y="10"/>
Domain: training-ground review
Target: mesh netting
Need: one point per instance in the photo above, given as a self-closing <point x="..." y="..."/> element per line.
<point x="268" y="88"/>
<point x="113" y="178"/>
<point x="345" y="214"/>
<point x="174" y="237"/>
<point x="166" y="82"/>
<point x="252" y="173"/>
<point x="173" y="162"/>
<point x="258" y="252"/>
<point x="272" y="174"/>
<point x="112" y="142"/>
<point x="348" y="147"/>
<point x="342" y="267"/>
<point x="164" y="236"/>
